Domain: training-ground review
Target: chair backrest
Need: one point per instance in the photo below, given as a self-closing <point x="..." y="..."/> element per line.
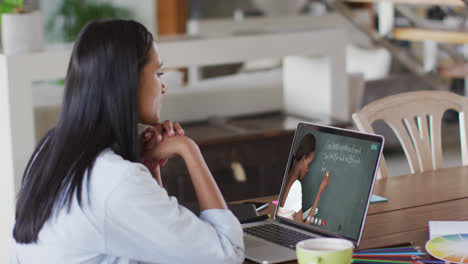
<point x="416" y="119"/>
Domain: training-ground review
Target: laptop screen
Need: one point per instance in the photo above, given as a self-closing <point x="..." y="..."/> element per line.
<point x="328" y="179"/>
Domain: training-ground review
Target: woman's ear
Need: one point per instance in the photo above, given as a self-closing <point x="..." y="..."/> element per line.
<point x="312" y="155"/>
<point x="303" y="159"/>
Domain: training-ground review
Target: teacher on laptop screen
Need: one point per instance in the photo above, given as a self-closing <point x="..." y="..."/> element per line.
<point x="325" y="185"/>
<point x="325" y="192"/>
<point x="291" y="204"/>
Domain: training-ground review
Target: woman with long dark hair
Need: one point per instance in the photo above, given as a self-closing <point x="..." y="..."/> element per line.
<point x="291" y="203"/>
<point x="85" y="198"/>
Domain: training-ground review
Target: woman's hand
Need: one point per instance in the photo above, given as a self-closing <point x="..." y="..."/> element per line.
<point x="177" y="145"/>
<point x="208" y="194"/>
<point x="325" y="181"/>
<point x="150" y="138"/>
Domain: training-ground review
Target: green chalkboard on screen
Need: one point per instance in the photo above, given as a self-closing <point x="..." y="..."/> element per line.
<point x="351" y="164"/>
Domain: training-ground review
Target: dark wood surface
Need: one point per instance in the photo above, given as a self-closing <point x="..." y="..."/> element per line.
<point x="244" y="128"/>
<point x="413" y="201"/>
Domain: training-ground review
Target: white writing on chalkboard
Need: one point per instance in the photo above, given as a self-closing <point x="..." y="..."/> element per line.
<point x="346" y="153"/>
<point x="347" y="148"/>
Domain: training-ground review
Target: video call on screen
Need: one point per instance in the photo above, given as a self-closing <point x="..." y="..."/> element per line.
<point x="342" y="203"/>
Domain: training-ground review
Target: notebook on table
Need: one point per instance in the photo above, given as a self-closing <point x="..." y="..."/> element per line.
<point x="332" y="192"/>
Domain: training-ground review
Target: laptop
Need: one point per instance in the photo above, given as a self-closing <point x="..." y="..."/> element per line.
<point x="326" y="191"/>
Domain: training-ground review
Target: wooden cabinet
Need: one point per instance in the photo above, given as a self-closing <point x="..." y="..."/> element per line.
<point x="263" y="160"/>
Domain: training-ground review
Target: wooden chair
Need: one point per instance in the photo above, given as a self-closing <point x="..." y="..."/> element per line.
<point x="416" y="119"/>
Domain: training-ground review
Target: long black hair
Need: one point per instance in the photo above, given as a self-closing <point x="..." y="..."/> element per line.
<point x="306" y="146"/>
<point x="99" y="111"/>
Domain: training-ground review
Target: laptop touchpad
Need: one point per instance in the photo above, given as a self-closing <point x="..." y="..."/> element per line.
<point x="253" y="243"/>
<point x="269" y="252"/>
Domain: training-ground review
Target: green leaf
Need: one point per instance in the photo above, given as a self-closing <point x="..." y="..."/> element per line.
<point x="14" y="3"/>
<point x="6" y="8"/>
<point x="76" y="14"/>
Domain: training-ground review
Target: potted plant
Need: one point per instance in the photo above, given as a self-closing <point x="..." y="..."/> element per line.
<point x="21" y="31"/>
<point x="71" y="15"/>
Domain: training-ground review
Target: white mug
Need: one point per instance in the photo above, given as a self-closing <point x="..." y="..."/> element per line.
<point x="324" y="251"/>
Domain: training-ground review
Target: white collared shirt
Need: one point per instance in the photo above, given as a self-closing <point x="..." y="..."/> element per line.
<point x="294" y="200"/>
<point x="129" y="218"/>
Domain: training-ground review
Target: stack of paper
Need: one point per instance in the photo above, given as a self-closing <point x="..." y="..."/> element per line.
<point x="441" y="228"/>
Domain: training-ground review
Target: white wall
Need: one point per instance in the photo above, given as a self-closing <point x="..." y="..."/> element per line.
<point x="144" y="11"/>
<point x="7" y="196"/>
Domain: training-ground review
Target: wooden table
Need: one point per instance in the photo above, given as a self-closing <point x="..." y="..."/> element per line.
<point x="413" y="201"/>
<point x="415" y="2"/>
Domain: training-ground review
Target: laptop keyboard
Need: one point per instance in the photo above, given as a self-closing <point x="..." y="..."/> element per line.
<point x="277" y="234"/>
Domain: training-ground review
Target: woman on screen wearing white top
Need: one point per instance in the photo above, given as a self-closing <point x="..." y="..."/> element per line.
<point x="291" y="204"/>
<point x="85" y="198"/>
